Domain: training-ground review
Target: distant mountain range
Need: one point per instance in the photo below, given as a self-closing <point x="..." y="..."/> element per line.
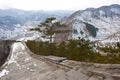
<point x="101" y="25"/>
<point x="12" y="19"/>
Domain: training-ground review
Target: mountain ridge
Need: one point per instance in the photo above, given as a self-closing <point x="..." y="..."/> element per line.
<point x="106" y="19"/>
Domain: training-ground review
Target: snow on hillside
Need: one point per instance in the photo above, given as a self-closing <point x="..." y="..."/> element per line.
<point x="95" y="23"/>
<point x="15" y="24"/>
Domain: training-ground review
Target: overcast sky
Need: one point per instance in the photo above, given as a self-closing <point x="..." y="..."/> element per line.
<point x="55" y="4"/>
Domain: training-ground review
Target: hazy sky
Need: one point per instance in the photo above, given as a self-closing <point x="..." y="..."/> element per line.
<point x="55" y="4"/>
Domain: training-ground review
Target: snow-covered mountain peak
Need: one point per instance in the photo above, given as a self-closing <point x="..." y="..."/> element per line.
<point x="95" y="23"/>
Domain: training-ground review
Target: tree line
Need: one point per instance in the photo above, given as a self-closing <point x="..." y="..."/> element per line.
<point x="79" y="50"/>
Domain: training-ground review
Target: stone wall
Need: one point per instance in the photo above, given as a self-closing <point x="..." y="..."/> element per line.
<point x="5" y="47"/>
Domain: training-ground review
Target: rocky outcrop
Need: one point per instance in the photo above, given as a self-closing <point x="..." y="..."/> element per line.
<point x="111" y="40"/>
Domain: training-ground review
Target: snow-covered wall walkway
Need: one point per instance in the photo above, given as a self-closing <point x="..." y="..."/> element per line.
<point x="21" y="66"/>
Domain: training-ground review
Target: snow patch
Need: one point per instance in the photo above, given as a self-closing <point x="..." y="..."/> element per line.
<point x="18" y="47"/>
<point x="27" y="59"/>
<point x="35" y="64"/>
<point x="4" y="72"/>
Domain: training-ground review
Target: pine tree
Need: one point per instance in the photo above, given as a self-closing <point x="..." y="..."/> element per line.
<point x="50" y="27"/>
